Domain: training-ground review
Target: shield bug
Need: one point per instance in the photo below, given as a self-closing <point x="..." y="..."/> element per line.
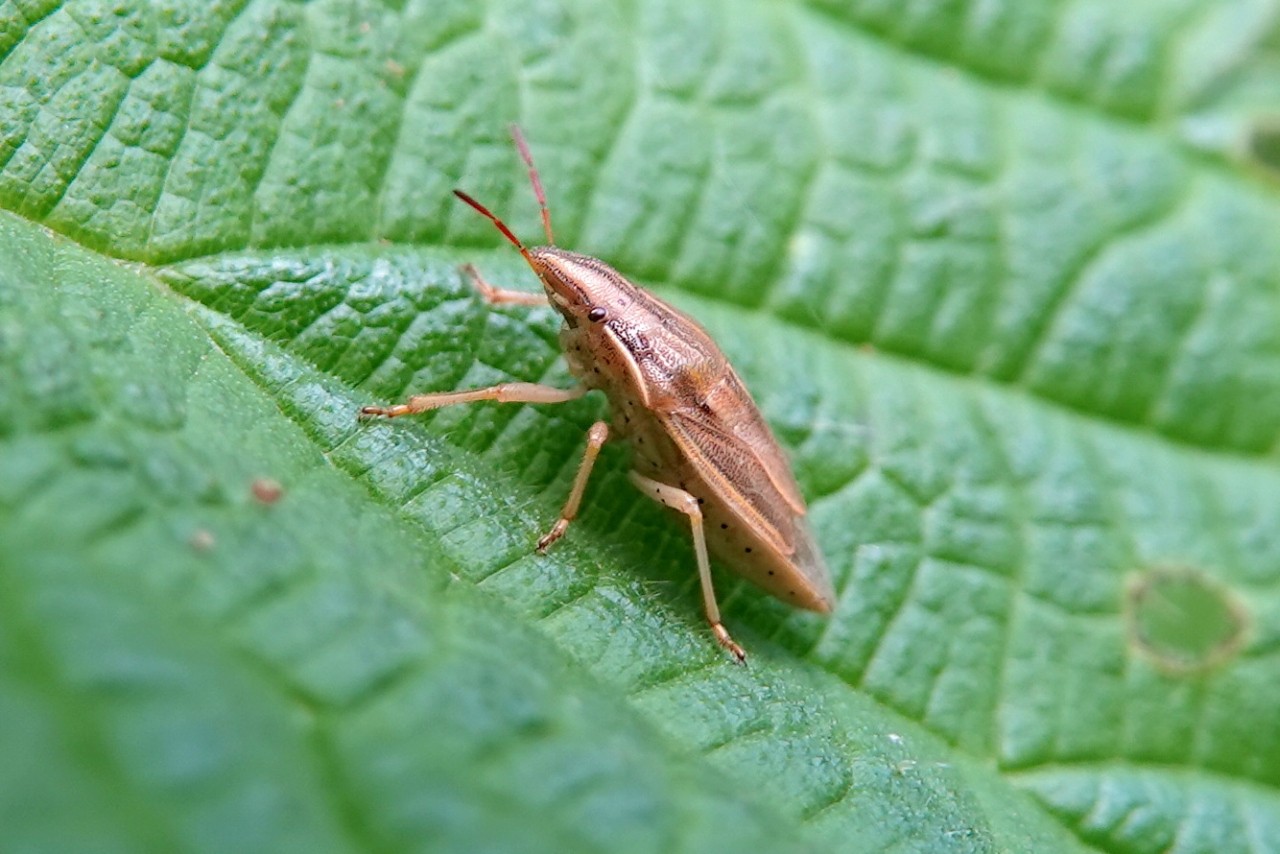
<point x="699" y="444"/>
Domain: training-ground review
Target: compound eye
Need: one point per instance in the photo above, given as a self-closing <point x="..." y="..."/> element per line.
<point x="597" y="314"/>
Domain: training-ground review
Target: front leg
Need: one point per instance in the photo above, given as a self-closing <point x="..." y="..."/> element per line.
<point x="503" y="393"/>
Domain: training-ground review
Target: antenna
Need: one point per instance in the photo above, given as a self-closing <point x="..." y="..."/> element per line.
<point x="502" y="226"/>
<point x="527" y="157"/>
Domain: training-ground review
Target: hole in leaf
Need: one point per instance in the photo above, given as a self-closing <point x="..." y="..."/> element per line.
<point x="1183" y="620"/>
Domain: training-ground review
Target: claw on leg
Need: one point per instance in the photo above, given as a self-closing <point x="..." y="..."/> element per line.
<point x="556" y="532"/>
<point x="369" y="412"/>
<point x="722" y="635"/>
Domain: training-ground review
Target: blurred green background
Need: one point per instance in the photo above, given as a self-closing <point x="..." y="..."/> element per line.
<point x="1004" y="276"/>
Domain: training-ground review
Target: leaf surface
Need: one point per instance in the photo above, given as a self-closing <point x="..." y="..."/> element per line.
<point x="1002" y="277"/>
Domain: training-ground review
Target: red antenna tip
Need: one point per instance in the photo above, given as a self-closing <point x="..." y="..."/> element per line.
<point x="502" y="226"/>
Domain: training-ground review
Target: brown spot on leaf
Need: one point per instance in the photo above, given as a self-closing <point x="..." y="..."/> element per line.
<point x="202" y="540"/>
<point x="266" y="490"/>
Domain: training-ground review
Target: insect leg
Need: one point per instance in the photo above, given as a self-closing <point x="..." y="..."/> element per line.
<point x="688" y="505"/>
<point x="596" y="437"/>
<point x="500" y="296"/>
<point x="503" y="393"/>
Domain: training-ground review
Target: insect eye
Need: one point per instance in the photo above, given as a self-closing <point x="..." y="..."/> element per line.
<point x="597" y="314"/>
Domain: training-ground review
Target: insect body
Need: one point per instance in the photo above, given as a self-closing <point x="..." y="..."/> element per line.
<point x="699" y="444"/>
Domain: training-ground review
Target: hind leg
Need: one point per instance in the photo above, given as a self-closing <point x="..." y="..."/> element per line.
<point x="688" y="505"/>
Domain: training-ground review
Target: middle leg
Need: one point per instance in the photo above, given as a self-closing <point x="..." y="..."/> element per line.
<point x="596" y="437"/>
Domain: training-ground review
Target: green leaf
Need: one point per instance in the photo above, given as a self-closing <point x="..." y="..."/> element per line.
<point x="1002" y="275"/>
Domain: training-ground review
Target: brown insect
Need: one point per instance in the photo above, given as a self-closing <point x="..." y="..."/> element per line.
<point x="698" y="442"/>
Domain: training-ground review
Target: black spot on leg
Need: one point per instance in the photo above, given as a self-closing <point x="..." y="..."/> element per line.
<point x="771" y="572"/>
<point x="724" y="526"/>
<point x="747" y="550"/>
